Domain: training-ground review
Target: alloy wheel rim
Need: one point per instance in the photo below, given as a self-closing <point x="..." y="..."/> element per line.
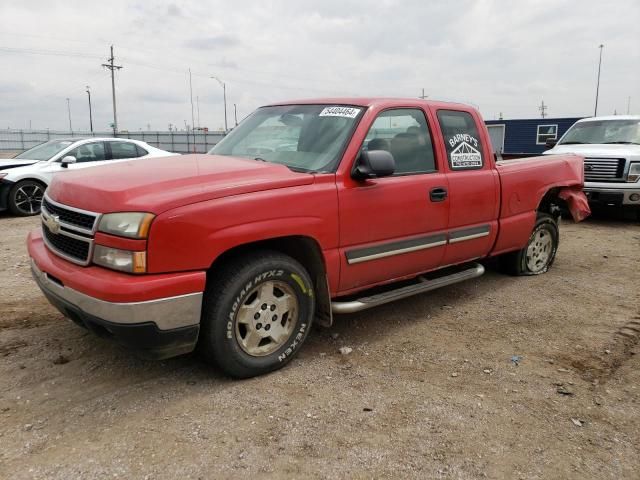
<point x="29" y="198"/>
<point x="265" y="320"/>
<point x="539" y="251"/>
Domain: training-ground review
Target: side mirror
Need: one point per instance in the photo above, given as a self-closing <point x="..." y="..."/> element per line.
<point x="550" y="143"/>
<point x="374" y="164"/>
<point x="67" y="160"/>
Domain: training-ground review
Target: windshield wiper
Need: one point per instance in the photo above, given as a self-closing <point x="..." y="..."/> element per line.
<point x="574" y="143"/>
<point x="293" y="169"/>
<point x="297" y="169"/>
<point x="621" y="143"/>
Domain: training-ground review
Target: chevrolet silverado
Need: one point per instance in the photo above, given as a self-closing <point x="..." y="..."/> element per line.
<point x="305" y="210"/>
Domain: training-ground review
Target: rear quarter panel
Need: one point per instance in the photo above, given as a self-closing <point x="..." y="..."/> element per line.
<point x="524" y="182"/>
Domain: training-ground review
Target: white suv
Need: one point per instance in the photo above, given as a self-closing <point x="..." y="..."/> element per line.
<point x="24" y="179"/>
<point x="611" y="147"/>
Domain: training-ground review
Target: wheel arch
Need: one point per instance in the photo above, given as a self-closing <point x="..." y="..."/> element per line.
<point x="551" y="203"/>
<point x="305" y="250"/>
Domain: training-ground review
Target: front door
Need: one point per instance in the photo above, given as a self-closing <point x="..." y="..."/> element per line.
<point x="394" y="227"/>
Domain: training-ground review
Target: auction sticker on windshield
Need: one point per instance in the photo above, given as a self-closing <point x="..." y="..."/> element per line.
<point x="348" y="112"/>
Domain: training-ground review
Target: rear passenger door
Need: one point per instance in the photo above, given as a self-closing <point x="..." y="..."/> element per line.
<point x="394" y="226"/>
<point x="473" y="186"/>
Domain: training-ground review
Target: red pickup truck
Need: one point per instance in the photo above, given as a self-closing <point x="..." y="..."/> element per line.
<point x="305" y="209"/>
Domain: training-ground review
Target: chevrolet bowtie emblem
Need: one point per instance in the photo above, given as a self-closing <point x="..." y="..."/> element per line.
<point x="53" y="223"/>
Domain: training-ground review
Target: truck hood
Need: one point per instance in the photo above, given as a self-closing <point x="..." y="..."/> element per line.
<point x="160" y="184"/>
<point x="598" y="150"/>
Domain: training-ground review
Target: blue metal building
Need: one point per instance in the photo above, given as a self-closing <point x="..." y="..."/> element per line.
<point x="524" y="137"/>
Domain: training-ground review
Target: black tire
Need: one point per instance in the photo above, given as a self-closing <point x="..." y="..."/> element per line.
<point x="523" y="262"/>
<point x="226" y="337"/>
<point x="25" y="198"/>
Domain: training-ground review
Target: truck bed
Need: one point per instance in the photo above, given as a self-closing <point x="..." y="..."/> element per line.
<point x="523" y="184"/>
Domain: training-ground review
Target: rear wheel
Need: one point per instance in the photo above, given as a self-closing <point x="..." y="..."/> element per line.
<point x="539" y="253"/>
<point x="257" y="312"/>
<point x="25" y="198"/>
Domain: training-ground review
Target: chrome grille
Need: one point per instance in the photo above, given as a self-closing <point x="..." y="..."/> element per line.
<point x="603" y="169"/>
<point x="68" y="231"/>
<point x="67" y="247"/>
<point x="75" y="217"/>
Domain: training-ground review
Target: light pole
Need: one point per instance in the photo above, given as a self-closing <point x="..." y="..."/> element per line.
<point x="224" y="93"/>
<point x="235" y="113"/>
<point x="69" y="112"/>
<point x="90" y="114"/>
<point x="595" y="111"/>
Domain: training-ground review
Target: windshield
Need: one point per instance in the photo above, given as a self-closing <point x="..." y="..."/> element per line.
<point x="309" y="138"/>
<point x="46" y="150"/>
<point x="603" y="131"/>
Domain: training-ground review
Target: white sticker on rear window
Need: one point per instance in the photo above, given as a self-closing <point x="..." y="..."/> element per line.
<point x="465" y="155"/>
<point x="348" y="112"/>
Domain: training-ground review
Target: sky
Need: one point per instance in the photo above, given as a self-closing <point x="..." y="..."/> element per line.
<point x="501" y="56"/>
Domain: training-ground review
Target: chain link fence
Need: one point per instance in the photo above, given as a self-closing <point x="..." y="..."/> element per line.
<point x="177" y="142"/>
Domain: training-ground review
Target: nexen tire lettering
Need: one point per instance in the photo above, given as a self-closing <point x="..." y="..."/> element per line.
<point x="294" y="344"/>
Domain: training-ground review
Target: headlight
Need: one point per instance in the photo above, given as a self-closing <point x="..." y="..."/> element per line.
<point x="634" y="172"/>
<point x="123" y="260"/>
<point x="127" y="224"/>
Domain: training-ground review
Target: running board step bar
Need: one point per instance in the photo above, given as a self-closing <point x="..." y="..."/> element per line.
<point x="425" y="285"/>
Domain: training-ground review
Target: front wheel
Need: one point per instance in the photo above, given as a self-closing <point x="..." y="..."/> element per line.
<point x="257" y="312"/>
<point x="25" y="198"/>
<point x="539" y="253"/>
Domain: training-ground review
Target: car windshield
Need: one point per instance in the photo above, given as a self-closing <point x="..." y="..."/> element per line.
<point x="308" y="138"/>
<point x="46" y="150"/>
<point x="604" y="131"/>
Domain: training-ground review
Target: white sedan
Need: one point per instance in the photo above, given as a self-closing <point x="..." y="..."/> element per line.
<point x="24" y="179"/>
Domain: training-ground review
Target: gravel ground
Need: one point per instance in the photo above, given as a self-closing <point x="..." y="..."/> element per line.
<point x="498" y="377"/>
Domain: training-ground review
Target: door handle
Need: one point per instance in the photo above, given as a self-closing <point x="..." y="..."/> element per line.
<point x="438" y="194"/>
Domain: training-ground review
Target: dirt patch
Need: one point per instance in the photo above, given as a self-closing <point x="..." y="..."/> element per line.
<point x="603" y="364"/>
<point x="465" y="382"/>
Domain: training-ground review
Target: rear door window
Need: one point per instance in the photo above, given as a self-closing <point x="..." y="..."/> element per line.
<point x="121" y="150"/>
<point x="461" y="138"/>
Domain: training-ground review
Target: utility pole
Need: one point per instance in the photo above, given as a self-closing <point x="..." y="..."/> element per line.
<point x="235" y="113"/>
<point x="224" y="93"/>
<point x="111" y="66"/>
<point x="69" y="112"/>
<point x="192" y="117"/>
<point x="90" y="114"/>
<point x="595" y="111"/>
<point x="628" y="105"/>
<point x="198" y="109"/>
<point x="543" y="109"/>
<point x="423" y="96"/>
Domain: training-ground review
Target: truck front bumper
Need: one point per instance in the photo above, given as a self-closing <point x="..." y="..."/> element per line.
<point x="157" y="328"/>
<point x="614" y="194"/>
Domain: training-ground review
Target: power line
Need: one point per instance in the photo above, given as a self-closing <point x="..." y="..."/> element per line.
<point x="35" y="51"/>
